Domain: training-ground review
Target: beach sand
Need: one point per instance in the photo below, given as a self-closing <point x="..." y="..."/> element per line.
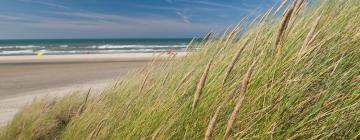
<point x="24" y="78"/>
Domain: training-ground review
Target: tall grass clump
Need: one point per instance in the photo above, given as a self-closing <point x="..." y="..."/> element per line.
<point x="292" y="74"/>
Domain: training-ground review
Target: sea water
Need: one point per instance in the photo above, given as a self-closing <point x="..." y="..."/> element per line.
<point x="90" y="46"/>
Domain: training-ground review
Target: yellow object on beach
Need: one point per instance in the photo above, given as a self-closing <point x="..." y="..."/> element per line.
<point x="40" y="54"/>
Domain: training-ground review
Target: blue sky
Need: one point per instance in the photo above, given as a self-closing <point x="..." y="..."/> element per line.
<point x="26" y="19"/>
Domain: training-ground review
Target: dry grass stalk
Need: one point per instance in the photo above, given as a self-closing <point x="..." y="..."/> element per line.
<point x="314" y="37"/>
<point x="183" y="80"/>
<point x="337" y="64"/>
<point x="207" y="37"/>
<point x="151" y="88"/>
<point x="144" y="81"/>
<point x="233" y="62"/>
<point x="201" y="84"/>
<point x="156" y="133"/>
<point x="309" y="50"/>
<point x="212" y="123"/>
<point x="96" y="131"/>
<point x="118" y="83"/>
<point x="234" y="31"/>
<point x="299" y="5"/>
<point x="227" y="36"/>
<point x="243" y="92"/>
<point x="165" y="79"/>
<point x="190" y="45"/>
<point x="168" y="61"/>
<point x="156" y="59"/>
<point x="149" y="65"/>
<point x="266" y="15"/>
<point x="231" y="35"/>
<point x="227" y="32"/>
<point x="153" y="61"/>
<point x="310" y="35"/>
<point x="283" y="26"/>
<point x="252" y="23"/>
<point x="281" y="6"/>
<point x="82" y="107"/>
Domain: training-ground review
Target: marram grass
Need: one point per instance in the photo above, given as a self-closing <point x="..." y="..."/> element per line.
<point x="294" y="74"/>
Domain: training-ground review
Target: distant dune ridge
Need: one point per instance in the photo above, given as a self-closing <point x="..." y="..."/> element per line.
<point x="293" y="74"/>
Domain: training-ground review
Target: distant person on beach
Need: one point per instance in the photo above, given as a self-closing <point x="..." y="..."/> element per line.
<point x="170" y="52"/>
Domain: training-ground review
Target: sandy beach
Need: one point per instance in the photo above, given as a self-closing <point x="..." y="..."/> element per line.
<point x="23" y="78"/>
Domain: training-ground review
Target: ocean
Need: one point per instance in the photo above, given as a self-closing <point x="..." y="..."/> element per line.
<point x="90" y="46"/>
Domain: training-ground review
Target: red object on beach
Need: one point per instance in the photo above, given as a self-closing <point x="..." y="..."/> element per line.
<point x="170" y="52"/>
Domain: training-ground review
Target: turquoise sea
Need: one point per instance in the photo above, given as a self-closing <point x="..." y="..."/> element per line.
<point x="90" y="46"/>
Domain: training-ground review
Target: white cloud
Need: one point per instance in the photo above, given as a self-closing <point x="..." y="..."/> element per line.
<point x="67" y="21"/>
<point x="11" y="18"/>
<point x="212" y="4"/>
<point x="184" y="18"/>
<point x="96" y="24"/>
<point x="56" y="5"/>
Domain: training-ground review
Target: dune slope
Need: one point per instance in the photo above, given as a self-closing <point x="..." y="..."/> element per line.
<point x="292" y="74"/>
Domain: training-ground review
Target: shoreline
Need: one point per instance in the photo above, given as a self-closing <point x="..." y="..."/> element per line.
<point x="78" y="58"/>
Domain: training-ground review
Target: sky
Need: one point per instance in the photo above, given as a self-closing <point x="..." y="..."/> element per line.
<point x="56" y="19"/>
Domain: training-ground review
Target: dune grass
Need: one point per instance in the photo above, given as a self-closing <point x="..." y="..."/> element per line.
<point x="293" y="74"/>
